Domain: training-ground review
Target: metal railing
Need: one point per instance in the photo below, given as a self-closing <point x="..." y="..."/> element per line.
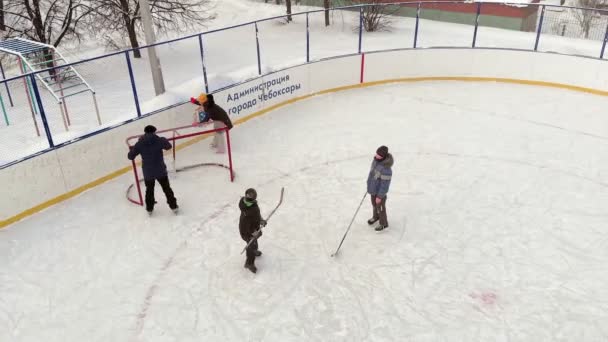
<point x="423" y="24"/>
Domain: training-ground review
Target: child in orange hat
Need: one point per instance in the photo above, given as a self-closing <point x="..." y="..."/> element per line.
<point x="208" y="110"/>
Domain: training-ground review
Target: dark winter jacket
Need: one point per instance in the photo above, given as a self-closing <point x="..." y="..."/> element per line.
<point x="151" y="147"/>
<point x="380" y="174"/>
<point x="216" y="113"/>
<point x="250" y="219"/>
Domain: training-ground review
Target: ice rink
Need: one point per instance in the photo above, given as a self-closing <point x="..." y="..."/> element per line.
<point x="497" y="212"/>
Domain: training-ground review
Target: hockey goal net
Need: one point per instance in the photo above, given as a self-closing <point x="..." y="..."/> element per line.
<point x="182" y="137"/>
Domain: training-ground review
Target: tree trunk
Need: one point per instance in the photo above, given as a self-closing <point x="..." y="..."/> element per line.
<point x="49" y="63"/>
<point x="36" y="17"/>
<point x="133" y="39"/>
<point x="326" y="5"/>
<point x="2" y="26"/>
<point x="288" y="5"/>
<point x="130" y="26"/>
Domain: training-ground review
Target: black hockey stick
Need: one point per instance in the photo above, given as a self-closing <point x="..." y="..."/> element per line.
<point x="350" y="225"/>
<point x="268" y="218"/>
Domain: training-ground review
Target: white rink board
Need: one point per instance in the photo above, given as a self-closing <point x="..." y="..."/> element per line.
<point x="225" y="99"/>
<point x="30" y="183"/>
<point x="503" y="64"/>
<point x="55" y="173"/>
<point x="488" y="63"/>
<point x="52" y="174"/>
<point x="299" y="77"/>
<point x="335" y="73"/>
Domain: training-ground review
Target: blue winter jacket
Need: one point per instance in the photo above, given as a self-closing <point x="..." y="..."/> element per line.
<point x="151" y="147"/>
<point x="380" y="174"/>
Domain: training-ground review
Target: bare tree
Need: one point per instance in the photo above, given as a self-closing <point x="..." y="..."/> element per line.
<point x="168" y="15"/>
<point x="326" y="6"/>
<point x="376" y="15"/>
<point x="586" y="17"/>
<point x="288" y="6"/>
<point x="2" y="26"/>
<point x="45" y="21"/>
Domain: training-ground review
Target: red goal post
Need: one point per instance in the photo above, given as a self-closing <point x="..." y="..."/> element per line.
<point x="174" y="135"/>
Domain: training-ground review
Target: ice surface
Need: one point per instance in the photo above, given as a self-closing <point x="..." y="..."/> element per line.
<point x="497" y="216"/>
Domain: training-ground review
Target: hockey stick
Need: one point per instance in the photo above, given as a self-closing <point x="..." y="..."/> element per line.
<point x="268" y="218"/>
<point x="350" y="225"/>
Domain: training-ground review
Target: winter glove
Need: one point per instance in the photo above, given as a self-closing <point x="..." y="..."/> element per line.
<point x="262" y="223"/>
<point x="378" y="200"/>
<point x="257" y="234"/>
<point x="194" y="101"/>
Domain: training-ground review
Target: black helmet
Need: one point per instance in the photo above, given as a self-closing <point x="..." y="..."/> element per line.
<point x="251" y="194"/>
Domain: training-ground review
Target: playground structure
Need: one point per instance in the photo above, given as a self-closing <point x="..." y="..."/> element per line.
<point x="60" y="82"/>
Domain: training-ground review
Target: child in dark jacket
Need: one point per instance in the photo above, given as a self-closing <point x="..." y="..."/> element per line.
<point x="250" y="223"/>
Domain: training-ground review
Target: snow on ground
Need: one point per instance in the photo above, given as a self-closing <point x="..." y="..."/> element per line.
<point x="231" y="57"/>
<point x="496" y="210"/>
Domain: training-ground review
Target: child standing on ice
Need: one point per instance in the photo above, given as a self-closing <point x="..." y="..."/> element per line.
<point x="208" y="110"/>
<point x="250" y="223"/>
<point x="378" y="183"/>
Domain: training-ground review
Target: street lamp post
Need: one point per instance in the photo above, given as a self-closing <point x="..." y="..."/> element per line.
<point x="157" y="73"/>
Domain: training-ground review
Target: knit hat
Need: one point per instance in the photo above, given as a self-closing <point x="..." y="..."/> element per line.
<point x="251" y="194"/>
<point x="382" y="151"/>
<point x="202" y="98"/>
<point x="149" y="129"/>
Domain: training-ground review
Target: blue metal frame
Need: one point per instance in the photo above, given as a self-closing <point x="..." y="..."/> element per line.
<point x="540" y="28"/>
<point x="604" y="11"/>
<point x="360" y="7"/>
<point x="45" y="123"/>
<point x="200" y="43"/>
<point x="476" y="24"/>
<point x="417" y="25"/>
<point x="307" y="39"/>
<point x="360" y="28"/>
<point x="257" y="45"/>
<point x="604" y="43"/>
<point x="133" y="86"/>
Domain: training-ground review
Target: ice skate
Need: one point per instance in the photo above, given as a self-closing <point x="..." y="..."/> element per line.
<point x="381" y="228"/>
<point x="251" y="267"/>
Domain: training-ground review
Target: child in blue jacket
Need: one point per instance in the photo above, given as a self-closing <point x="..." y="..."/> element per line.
<point x="378" y="183"/>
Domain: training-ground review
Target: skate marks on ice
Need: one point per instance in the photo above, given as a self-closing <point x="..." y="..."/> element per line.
<point x="244" y="305"/>
<point x="289" y="299"/>
<point x="400" y="281"/>
<point x="165" y="268"/>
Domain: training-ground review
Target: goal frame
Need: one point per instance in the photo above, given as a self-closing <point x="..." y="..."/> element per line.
<point x="176" y="136"/>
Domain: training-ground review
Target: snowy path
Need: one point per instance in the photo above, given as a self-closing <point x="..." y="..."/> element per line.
<point x="497" y="214"/>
